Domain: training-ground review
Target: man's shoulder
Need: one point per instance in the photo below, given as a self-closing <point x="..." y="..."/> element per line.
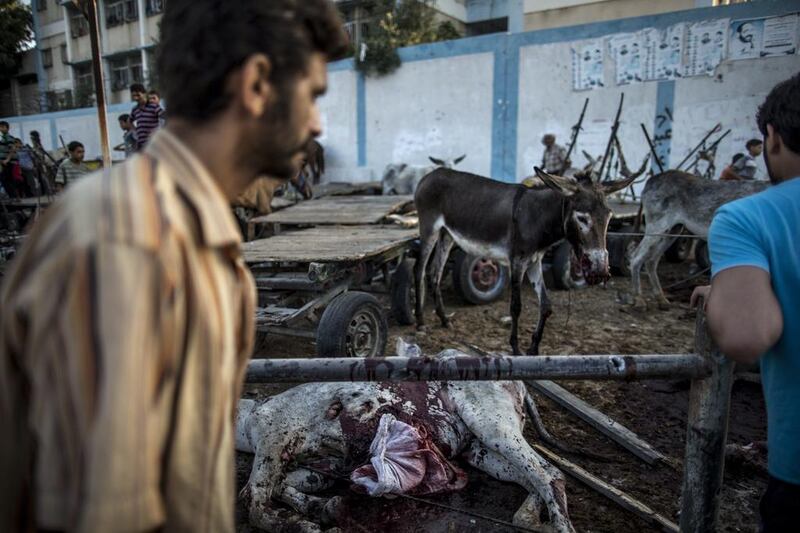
<point x="115" y="205"/>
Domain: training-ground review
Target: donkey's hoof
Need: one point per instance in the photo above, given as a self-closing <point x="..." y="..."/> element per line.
<point x="446" y="323"/>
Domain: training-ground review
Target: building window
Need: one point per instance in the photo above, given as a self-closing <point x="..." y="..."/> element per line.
<point x="83" y="76"/>
<point x="78" y="24"/>
<point x="154" y="7"/>
<point x="47" y="57"/>
<point x="126" y="71"/>
<point x="120" y="11"/>
<point x="41" y="5"/>
<point x="64" y="56"/>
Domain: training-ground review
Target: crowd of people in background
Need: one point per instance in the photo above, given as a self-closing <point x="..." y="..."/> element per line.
<point x="29" y="170"/>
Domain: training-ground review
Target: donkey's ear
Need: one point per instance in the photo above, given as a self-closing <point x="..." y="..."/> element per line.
<point x="561" y="184"/>
<point x="435" y="161"/>
<point x="458" y="160"/>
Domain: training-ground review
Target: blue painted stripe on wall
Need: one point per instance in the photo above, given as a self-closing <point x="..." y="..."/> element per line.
<point x="662" y="129"/>
<point x="53" y="134"/>
<point x="342" y="64"/>
<point x="361" y="118"/>
<point x="498" y="112"/>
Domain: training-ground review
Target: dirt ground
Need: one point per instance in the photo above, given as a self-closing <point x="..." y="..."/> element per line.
<point x="655" y="410"/>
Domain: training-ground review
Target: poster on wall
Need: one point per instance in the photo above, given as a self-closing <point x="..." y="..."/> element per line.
<point x="763" y="37"/>
<point x="626" y="49"/>
<point x="587" y="66"/>
<point x="706" y="45"/>
<point x="664" y="53"/>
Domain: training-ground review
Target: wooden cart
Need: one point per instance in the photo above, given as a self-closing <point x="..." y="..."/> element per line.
<point x="319" y="283"/>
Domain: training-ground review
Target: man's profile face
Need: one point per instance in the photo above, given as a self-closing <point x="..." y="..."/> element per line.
<point x="756" y="150"/>
<point x="138" y="97"/>
<point x="285" y="133"/>
<point x="124" y="124"/>
<point x="3" y="129"/>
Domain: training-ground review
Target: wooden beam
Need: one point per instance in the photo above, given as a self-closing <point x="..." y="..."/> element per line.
<point x="601" y="422"/>
<point x="709" y="404"/>
<point x="614" y="494"/>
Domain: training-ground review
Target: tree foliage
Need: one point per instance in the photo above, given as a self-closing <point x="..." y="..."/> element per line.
<point x="402" y="23"/>
<point x="16" y="30"/>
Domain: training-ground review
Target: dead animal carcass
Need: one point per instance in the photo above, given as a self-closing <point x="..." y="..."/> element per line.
<point x="392" y="438"/>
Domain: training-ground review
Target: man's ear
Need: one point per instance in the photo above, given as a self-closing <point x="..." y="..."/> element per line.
<point x="773" y="142"/>
<point x="252" y="84"/>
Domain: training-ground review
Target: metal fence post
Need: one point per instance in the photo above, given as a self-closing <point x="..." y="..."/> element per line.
<point x="709" y="402"/>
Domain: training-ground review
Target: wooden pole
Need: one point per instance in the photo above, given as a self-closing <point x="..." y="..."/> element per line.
<point x="709" y="402"/>
<point x="488" y="368"/>
<point x="99" y="85"/>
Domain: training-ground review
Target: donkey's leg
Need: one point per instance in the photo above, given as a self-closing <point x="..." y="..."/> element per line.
<point x="518" y="267"/>
<point x="439" y="263"/>
<point x="428" y="237"/>
<point x="651" y="265"/>
<point x="295" y="492"/>
<point x="545" y="309"/>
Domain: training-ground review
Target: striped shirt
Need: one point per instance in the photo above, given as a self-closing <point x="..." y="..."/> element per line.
<point x="146" y="120"/>
<point x="125" y="330"/>
<point x="69" y="171"/>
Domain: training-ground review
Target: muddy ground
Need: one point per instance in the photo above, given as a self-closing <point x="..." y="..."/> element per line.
<point x="655" y="410"/>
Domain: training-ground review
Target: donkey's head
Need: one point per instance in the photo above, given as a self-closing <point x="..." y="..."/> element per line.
<point x="585" y="217"/>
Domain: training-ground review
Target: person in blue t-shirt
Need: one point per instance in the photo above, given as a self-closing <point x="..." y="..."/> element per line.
<point x="753" y="302"/>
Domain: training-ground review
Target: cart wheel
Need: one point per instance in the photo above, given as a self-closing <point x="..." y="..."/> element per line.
<point x="403" y="293"/>
<point x="679" y="251"/>
<point x="353" y="325"/>
<point x="478" y="280"/>
<point x="701" y="255"/>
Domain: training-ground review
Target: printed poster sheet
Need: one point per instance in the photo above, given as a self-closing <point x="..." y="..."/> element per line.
<point x="763" y="37"/>
<point x="587" y="65"/>
<point x="627" y="51"/>
<point x="664" y="53"/>
<point x="706" y="45"/>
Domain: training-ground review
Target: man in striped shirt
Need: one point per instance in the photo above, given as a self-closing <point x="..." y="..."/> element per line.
<point x="128" y="314"/>
<point x="146" y="116"/>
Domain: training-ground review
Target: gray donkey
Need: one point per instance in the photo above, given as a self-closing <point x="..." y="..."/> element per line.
<point x="512" y="224"/>
<point x="672" y="198"/>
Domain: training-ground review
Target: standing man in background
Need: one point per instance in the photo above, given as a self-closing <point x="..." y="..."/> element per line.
<point x="146" y="117"/>
<point x="129" y="144"/>
<point x="128" y="313"/>
<point x="752" y="306"/>
<point x="554" y="159"/>
<point x="745" y="167"/>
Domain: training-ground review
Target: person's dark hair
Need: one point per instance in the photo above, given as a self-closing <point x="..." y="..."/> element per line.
<point x="35" y="135"/>
<point x="124" y="117"/>
<point x="753" y="142"/>
<point x="74" y="145"/>
<point x="199" y="48"/>
<point x="138" y="87"/>
<point x="153" y="91"/>
<point x="781" y="109"/>
<point x="736" y="157"/>
<point x="4" y="123"/>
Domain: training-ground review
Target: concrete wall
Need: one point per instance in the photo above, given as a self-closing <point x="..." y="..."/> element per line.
<point x="339" y="125"/>
<point x="432" y="108"/>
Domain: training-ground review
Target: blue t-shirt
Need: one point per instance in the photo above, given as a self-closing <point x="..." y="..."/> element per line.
<point x="763" y="231"/>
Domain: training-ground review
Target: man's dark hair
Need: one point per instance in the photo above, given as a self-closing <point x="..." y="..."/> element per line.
<point x="753" y="142"/>
<point x="35" y="134"/>
<point x="124" y="118"/>
<point x="736" y="157"/>
<point x="153" y="91"/>
<point x="74" y="145"/>
<point x="4" y="123"/>
<point x="781" y="109"/>
<point x="200" y="47"/>
<point x="138" y="87"/>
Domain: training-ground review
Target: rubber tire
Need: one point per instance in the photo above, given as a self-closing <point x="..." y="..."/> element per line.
<point x="679" y="251"/>
<point x="402" y="293"/>
<point x="561" y="268"/>
<point x="701" y="255"/>
<point x="462" y="280"/>
<point x="331" y="332"/>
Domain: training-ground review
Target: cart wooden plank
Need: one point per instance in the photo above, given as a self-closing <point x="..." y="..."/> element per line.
<point x="337" y="210"/>
<point x="341" y="188"/>
<point x="328" y="244"/>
